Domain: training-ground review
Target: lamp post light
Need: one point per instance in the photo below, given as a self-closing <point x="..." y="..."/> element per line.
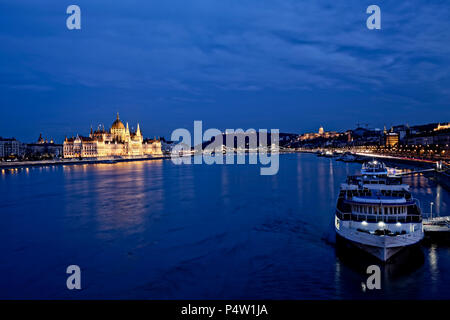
<point x="431" y="209"/>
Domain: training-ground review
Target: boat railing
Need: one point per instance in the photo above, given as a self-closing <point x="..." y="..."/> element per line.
<point x="409" y="218"/>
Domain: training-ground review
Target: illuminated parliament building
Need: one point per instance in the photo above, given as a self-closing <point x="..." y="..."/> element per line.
<point x="118" y="141"/>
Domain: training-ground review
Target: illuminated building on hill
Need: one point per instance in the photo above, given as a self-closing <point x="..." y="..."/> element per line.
<point x="321" y="134"/>
<point x="442" y="127"/>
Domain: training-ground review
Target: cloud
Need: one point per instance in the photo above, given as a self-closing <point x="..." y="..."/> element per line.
<point x="176" y="52"/>
<point x="281" y="44"/>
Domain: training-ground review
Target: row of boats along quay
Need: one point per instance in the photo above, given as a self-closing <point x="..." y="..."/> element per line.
<point x="377" y="213"/>
<point x="435" y="170"/>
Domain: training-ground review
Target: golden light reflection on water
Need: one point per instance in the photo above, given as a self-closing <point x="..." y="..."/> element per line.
<point x="433" y="258"/>
<point x="331" y="182"/>
<point x="321" y="174"/>
<point x="121" y="195"/>
<point x="434" y="267"/>
<point x="437" y="201"/>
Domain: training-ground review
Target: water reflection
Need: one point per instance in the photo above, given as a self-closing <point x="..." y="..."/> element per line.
<point x="433" y="258"/>
<point x="225" y="187"/>
<point x="169" y="231"/>
<point x="331" y="178"/>
<point x="437" y="200"/>
<point x="117" y="196"/>
<point x="321" y="170"/>
<point x="395" y="275"/>
<point x="427" y="191"/>
<point x="300" y="180"/>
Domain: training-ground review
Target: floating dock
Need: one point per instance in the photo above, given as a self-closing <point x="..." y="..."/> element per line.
<point x="436" y="225"/>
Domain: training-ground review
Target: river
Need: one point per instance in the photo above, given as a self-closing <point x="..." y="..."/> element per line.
<point x="156" y="230"/>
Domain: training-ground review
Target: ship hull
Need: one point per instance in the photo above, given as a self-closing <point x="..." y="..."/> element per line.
<point x="406" y="258"/>
<point x="381" y="247"/>
<point x="381" y="253"/>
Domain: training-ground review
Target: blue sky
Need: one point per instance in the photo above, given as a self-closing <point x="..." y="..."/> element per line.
<point x="292" y="65"/>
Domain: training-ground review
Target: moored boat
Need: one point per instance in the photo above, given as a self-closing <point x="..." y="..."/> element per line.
<point x="347" y="157"/>
<point x="329" y="154"/>
<point x="436" y="225"/>
<point x="376" y="212"/>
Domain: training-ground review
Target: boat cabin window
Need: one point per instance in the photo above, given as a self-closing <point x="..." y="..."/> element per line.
<point x="388" y="210"/>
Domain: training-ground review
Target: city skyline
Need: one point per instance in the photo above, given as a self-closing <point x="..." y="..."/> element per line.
<point x="82" y="132"/>
<point x="286" y="65"/>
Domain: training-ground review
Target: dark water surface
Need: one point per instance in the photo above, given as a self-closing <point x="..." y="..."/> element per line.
<point x="155" y="230"/>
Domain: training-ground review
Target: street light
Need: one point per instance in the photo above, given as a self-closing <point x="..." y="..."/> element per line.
<point x="431" y="208"/>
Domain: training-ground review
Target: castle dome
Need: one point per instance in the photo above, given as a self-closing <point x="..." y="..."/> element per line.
<point x="117" y="124"/>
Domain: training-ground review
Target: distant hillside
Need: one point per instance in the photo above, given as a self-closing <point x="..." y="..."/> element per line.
<point x="285" y="139"/>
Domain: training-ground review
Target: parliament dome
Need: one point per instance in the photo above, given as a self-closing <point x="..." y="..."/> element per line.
<point x="117" y="124"/>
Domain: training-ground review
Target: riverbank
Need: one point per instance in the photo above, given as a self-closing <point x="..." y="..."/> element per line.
<point x="440" y="177"/>
<point x="399" y="160"/>
<point x="44" y="163"/>
<point x="386" y="158"/>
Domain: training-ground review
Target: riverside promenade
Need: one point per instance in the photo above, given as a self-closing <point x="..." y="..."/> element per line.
<point x="58" y="162"/>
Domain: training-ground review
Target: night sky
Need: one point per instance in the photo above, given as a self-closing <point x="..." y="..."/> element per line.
<point x="292" y="65"/>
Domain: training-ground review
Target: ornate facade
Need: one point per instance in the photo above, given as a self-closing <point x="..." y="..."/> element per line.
<point x="321" y="134"/>
<point x="118" y="141"/>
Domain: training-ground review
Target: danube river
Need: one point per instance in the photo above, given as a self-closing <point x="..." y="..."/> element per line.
<point x="156" y="230"/>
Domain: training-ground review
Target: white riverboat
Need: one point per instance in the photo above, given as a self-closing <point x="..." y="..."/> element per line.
<point x="376" y="212"/>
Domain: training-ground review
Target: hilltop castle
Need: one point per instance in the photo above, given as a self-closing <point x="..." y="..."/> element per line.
<point x="118" y="141"/>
